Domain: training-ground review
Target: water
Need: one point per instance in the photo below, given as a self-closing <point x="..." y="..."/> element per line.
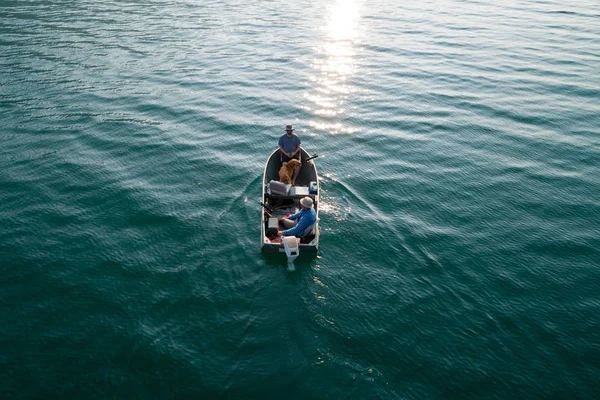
<point x="460" y="211"/>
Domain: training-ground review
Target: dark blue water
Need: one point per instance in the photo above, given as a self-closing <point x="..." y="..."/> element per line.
<point x="460" y="208"/>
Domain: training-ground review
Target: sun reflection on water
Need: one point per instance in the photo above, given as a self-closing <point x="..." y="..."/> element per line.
<point x="334" y="66"/>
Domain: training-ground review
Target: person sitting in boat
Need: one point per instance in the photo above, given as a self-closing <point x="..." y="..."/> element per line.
<point x="307" y="217"/>
<point x="289" y="146"/>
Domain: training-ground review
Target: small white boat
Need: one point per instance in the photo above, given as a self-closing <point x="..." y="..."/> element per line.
<point x="283" y="200"/>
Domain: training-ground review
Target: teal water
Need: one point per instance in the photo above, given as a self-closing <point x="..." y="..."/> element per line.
<point x="460" y="199"/>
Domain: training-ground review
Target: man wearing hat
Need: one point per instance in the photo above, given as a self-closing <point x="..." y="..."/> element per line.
<point x="289" y="146"/>
<point x="307" y="217"/>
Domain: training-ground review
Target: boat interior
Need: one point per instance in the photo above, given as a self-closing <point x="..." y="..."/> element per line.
<point x="284" y="199"/>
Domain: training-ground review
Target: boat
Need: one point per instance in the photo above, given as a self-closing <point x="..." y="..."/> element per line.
<point x="280" y="200"/>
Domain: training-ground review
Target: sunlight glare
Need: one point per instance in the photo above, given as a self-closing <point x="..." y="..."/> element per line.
<point x="337" y="65"/>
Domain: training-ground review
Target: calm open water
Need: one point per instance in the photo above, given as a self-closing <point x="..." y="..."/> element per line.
<point x="460" y="202"/>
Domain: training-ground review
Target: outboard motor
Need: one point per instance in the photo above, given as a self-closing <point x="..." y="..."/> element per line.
<point x="292" y="250"/>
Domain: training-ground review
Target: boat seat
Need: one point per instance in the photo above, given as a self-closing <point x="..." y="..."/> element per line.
<point x="277" y="188"/>
<point x="309" y="234"/>
<point x="307" y="239"/>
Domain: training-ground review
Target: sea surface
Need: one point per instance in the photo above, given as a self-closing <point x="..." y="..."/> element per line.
<point x="459" y="146"/>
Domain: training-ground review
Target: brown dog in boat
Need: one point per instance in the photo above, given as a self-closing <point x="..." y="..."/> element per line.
<point x="286" y="170"/>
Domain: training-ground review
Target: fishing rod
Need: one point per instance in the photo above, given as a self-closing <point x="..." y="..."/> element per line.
<point x="315" y="155"/>
<point x="236" y="191"/>
<point x="239" y="193"/>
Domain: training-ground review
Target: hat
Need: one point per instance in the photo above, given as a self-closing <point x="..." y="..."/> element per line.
<point x="289" y="128"/>
<point x="306" y="202"/>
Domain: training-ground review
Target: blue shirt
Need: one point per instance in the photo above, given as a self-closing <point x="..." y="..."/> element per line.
<point x="307" y="218"/>
<point x="289" y="144"/>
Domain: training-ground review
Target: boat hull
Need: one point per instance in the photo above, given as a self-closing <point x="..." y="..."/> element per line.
<point x="284" y="204"/>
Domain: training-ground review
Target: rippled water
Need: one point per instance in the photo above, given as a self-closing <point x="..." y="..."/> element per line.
<point x="460" y="207"/>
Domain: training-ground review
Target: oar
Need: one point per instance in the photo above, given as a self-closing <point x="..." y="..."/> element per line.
<point x="236" y="191"/>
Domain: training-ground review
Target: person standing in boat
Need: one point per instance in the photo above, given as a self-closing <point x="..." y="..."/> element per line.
<point x="289" y="146"/>
<point x="307" y="218"/>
